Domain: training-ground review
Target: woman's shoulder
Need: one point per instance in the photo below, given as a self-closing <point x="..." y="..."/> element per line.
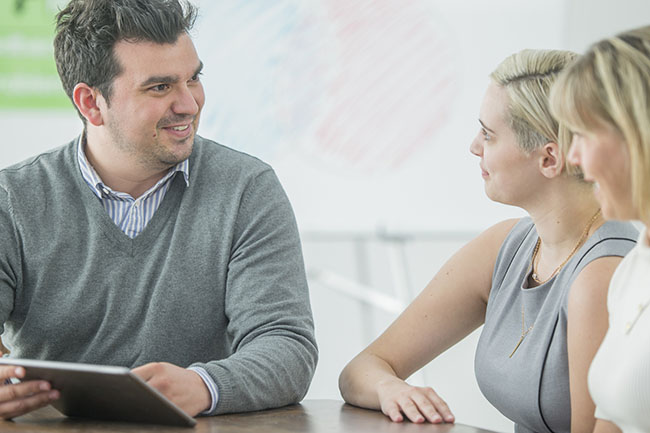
<point x="599" y="258"/>
<point x="623" y="230"/>
<point x="492" y="240"/>
<point x="502" y="230"/>
<point x="512" y="233"/>
<point x="510" y="239"/>
<point x="613" y="238"/>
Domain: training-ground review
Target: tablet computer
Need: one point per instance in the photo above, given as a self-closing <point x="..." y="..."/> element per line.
<point x="103" y="392"/>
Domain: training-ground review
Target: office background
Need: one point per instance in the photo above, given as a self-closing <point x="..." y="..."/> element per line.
<point x="365" y="108"/>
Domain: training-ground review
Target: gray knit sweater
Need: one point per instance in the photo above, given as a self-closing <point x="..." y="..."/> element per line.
<point x="215" y="280"/>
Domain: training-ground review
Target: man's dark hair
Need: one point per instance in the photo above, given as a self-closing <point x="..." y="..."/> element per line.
<point x="87" y="31"/>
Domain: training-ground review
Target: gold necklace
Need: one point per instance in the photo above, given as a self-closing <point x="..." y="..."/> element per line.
<point x="524" y="331"/>
<point x="533" y="264"/>
<point x="583" y="237"/>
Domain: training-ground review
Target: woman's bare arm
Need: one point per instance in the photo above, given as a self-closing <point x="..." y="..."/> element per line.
<point x="449" y="308"/>
<point x="586" y="328"/>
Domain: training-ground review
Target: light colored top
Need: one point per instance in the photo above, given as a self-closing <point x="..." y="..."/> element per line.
<point x="132" y="216"/>
<point x="215" y="280"/>
<point x="532" y="387"/>
<point x="619" y="377"/>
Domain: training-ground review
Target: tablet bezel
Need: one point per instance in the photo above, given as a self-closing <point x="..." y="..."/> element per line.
<point x="103" y="392"/>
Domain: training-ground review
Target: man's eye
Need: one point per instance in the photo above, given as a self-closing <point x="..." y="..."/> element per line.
<point x="160" y="87"/>
<point x="486" y="135"/>
<point x="196" y="77"/>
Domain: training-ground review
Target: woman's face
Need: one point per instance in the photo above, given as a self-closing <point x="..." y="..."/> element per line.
<point x="509" y="173"/>
<point x="604" y="158"/>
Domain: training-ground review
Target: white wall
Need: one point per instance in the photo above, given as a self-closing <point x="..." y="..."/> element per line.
<point x="588" y="21"/>
<point x="436" y="191"/>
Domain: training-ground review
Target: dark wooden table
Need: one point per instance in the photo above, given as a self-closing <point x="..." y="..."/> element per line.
<point x="311" y="416"/>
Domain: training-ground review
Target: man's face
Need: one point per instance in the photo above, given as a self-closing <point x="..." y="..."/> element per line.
<point x="155" y="102"/>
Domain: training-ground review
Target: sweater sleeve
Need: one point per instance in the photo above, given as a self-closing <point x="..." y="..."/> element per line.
<point x="10" y="272"/>
<point x="267" y="306"/>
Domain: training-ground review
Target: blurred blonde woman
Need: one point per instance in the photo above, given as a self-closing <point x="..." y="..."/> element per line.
<point x="538" y="284"/>
<point x="605" y="99"/>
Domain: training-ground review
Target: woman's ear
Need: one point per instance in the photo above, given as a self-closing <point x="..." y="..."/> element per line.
<point x="86" y="99"/>
<point x="551" y="160"/>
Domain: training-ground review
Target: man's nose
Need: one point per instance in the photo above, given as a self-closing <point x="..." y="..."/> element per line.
<point x="186" y="102"/>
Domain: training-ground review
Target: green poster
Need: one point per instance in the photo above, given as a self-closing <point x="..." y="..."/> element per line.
<point x="28" y="77"/>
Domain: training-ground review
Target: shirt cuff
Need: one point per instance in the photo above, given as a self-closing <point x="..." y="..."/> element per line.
<point x="212" y="387"/>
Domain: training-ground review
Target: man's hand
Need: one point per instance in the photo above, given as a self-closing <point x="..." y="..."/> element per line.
<point x="183" y="387"/>
<point x="20" y="398"/>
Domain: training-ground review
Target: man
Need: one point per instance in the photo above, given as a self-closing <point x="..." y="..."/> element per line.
<point x="142" y="244"/>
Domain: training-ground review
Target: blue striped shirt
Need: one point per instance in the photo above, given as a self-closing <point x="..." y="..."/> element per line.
<point x="129" y="214"/>
<point x="132" y="216"/>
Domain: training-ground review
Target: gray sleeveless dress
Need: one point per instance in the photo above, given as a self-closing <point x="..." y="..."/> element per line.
<point x="532" y="387"/>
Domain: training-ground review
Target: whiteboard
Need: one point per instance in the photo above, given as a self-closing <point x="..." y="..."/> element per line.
<point x="366" y="109"/>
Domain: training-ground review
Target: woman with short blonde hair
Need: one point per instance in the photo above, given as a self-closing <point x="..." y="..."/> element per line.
<point x="528" y="77"/>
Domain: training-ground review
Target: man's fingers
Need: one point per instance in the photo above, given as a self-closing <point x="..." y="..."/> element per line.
<point x="18" y="399"/>
<point x="22" y="390"/>
<point x="145" y="372"/>
<point x="14" y="408"/>
<point x="8" y="372"/>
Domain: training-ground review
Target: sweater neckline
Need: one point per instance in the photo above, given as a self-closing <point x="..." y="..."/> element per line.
<point x="121" y="240"/>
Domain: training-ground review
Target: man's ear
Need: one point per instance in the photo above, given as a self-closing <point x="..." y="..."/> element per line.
<point x="551" y="160"/>
<point x="87" y="100"/>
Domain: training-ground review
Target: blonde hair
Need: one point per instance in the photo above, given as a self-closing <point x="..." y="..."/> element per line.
<point x="610" y="85"/>
<point x="527" y="77"/>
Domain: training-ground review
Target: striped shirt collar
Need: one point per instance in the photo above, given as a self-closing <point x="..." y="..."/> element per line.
<point x="101" y="190"/>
